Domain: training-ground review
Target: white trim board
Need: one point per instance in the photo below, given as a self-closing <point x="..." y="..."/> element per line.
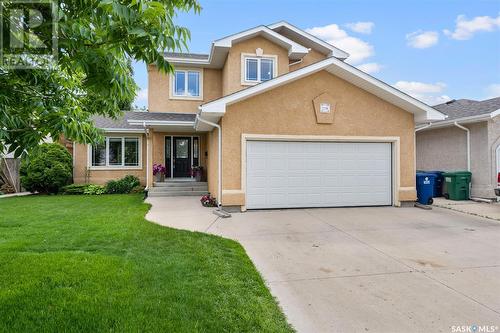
<point x="422" y="111"/>
<point x="309" y="40"/>
<point x="463" y="120"/>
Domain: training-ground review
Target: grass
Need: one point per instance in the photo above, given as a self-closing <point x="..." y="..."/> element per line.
<point x="93" y="264"/>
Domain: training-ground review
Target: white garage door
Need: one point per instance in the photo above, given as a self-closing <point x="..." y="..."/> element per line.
<point x="318" y="174"/>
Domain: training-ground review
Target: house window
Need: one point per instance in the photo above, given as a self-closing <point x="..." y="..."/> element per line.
<point x="186" y="83"/>
<point x="259" y="69"/>
<point x="116" y="152"/>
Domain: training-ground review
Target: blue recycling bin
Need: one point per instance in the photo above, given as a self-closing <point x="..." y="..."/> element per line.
<point x="425" y="187"/>
<point x="438" y="183"/>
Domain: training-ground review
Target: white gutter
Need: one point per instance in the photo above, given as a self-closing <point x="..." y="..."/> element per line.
<point x="219" y="157"/>
<point x="123" y="130"/>
<point x="423" y="127"/>
<point x="160" y="122"/>
<point x="468" y="142"/>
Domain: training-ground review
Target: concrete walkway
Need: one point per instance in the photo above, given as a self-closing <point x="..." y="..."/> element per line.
<point x="364" y="269"/>
<point x="488" y="210"/>
<point x="18" y="194"/>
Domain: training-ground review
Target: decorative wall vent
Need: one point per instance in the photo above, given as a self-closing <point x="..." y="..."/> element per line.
<point x="324" y="107"/>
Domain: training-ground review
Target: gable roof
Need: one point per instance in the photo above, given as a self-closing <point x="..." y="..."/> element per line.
<point x="308" y="40"/>
<point x="213" y="110"/>
<point x="276" y="33"/>
<point x="465" y="108"/>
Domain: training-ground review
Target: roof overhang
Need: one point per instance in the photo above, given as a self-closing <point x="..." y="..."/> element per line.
<point x="220" y="48"/>
<point x="422" y="112"/>
<point x="308" y="40"/>
<point x="461" y="121"/>
<point x="177" y="126"/>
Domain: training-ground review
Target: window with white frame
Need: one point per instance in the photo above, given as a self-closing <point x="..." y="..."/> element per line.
<point x="186" y="83"/>
<point x="116" y="152"/>
<point x="259" y="69"/>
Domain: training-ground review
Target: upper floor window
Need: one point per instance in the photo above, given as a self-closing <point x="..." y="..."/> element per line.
<point x="116" y="152"/>
<point x="259" y="69"/>
<point x="186" y="83"/>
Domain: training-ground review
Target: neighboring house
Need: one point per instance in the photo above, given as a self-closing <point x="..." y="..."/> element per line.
<point x="443" y="145"/>
<point x="299" y="127"/>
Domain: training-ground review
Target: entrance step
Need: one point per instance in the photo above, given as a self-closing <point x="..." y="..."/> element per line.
<point x="179" y="184"/>
<point x="153" y="193"/>
<point x="172" y="188"/>
<point x="180" y="188"/>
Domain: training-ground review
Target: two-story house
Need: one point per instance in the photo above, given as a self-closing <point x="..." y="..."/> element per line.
<point x="276" y="118"/>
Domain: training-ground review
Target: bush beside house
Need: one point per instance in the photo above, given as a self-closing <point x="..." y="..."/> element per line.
<point x="47" y="169"/>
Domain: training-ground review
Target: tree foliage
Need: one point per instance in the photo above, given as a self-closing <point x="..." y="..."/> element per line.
<point x="92" y="76"/>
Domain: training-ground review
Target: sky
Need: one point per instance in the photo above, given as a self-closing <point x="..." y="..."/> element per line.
<point x="434" y="50"/>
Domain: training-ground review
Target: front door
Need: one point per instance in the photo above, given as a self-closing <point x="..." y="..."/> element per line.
<point x="182" y="156"/>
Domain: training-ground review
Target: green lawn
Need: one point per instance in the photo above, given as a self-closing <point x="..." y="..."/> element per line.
<point x="93" y="263"/>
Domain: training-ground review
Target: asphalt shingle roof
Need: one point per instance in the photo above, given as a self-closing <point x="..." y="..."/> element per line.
<point x="186" y="55"/>
<point x="104" y="122"/>
<point x="462" y="108"/>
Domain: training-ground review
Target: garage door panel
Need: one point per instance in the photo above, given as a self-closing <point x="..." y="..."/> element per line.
<point x="318" y="174"/>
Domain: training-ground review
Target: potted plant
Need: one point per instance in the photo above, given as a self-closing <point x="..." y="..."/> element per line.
<point x="197" y="172"/>
<point x="159" y="171"/>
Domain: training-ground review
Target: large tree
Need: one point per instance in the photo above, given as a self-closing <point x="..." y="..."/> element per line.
<point x="92" y="75"/>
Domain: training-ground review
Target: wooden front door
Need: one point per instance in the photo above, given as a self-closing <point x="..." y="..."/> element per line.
<point x="182" y="156"/>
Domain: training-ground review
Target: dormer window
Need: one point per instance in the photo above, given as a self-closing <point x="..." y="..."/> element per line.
<point x="186" y="84"/>
<point x="258" y="69"/>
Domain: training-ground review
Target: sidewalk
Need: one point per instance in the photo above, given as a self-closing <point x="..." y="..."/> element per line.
<point x="488" y="210"/>
<point x="19" y="194"/>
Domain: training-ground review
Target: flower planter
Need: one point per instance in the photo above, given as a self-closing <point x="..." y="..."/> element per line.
<point x="160" y="177"/>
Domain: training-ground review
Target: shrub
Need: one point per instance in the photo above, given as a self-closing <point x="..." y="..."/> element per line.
<point x="47" y="169"/>
<point x="92" y="189"/>
<point x="138" y="189"/>
<point x="74" y="189"/>
<point x="121" y="186"/>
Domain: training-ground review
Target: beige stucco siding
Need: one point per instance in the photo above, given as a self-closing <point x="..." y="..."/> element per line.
<point x="446" y="149"/>
<point x="231" y="73"/>
<point x="288" y="110"/>
<point x="102" y="176"/>
<point x="159" y="91"/>
<point x="310" y="58"/>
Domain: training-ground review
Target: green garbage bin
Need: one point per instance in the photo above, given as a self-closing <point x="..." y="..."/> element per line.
<point x="456" y="185"/>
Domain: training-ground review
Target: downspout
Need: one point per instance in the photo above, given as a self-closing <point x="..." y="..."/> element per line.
<point x="468" y="142"/>
<point x="219" y="211"/>
<point x="146" y="132"/>
<point x="219" y="157"/>
<point x="468" y="151"/>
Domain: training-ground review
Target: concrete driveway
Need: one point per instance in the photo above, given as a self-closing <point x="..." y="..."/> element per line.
<point x="364" y="269"/>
